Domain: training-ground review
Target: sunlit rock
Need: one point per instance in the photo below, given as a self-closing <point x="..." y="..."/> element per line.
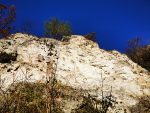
<point x="81" y="64"/>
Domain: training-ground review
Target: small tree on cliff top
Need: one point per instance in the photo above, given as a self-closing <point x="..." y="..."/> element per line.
<point x="57" y="29"/>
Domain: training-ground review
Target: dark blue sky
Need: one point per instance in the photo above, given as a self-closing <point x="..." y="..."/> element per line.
<point x="114" y="21"/>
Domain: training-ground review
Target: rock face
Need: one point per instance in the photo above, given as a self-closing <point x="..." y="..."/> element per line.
<point x="79" y="63"/>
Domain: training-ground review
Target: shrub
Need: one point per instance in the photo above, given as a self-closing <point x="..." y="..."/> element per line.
<point x="91" y="36"/>
<point x="87" y="106"/>
<point x="57" y="29"/>
<point x="139" y="53"/>
<point x="143" y="106"/>
<point x="92" y="105"/>
<point x="25" y="97"/>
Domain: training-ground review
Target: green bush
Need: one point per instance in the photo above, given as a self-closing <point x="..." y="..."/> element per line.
<point x="92" y="105"/>
<point x="57" y="29"/>
<point x="87" y="106"/>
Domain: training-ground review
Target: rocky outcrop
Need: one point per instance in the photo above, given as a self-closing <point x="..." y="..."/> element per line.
<point x="79" y="63"/>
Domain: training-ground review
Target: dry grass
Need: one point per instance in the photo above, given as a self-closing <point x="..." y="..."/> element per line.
<point x="25" y="97"/>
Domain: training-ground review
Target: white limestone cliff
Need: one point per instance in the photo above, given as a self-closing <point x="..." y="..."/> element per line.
<point x="81" y="64"/>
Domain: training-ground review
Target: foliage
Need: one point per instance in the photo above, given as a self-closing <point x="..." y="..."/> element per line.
<point x="143" y="106"/>
<point x="25" y="97"/>
<point x="6" y="19"/>
<point x="57" y="29"/>
<point x="139" y="53"/>
<point x="133" y="45"/>
<point x="92" y="105"/>
<point x="91" y="36"/>
<point x="87" y="106"/>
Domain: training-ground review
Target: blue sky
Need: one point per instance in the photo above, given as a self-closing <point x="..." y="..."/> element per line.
<point x="114" y="21"/>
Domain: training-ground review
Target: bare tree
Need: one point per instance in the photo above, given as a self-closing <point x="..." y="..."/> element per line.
<point x="6" y="19"/>
<point x="139" y="52"/>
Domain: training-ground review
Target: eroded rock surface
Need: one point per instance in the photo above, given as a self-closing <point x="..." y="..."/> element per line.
<point x="81" y="64"/>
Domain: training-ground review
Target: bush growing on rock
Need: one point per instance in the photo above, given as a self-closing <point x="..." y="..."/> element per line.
<point x="91" y="36"/>
<point x="57" y="29"/>
<point x="143" y="106"/>
<point x="139" y="53"/>
<point x="91" y="104"/>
